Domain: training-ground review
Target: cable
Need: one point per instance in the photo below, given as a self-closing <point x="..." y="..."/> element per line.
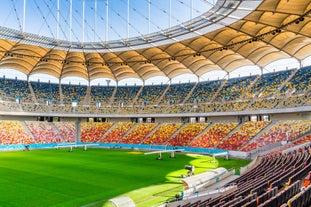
<point x="55" y="18"/>
<point x="44" y="19"/>
<point x="17" y="17"/>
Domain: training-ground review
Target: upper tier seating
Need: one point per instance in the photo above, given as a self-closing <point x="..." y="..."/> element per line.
<point x="295" y="101"/>
<point x="15" y="91"/>
<point x="234" y="88"/>
<point x="46" y="92"/>
<point x="73" y="93"/>
<point x="268" y="84"/>
<point x="173" y="109"/>
<point x="269" y="103"/>
<point x="204" y="91"/>
<point x="125" y="95"/>
<point x="284" y="89"/>
<point x="150" y="95"/>
<point x="233" y="106"/>
<point x="299" y="83"/>
<point x="177" y="93"/>
<point x="10" y="106"/>
<point x="101" y="94"/>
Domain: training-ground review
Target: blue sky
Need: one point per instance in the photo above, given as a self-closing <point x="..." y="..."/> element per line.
<point x="126" y="18"/>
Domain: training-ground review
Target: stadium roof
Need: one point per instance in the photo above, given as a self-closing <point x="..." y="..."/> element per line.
<point x="230" y="35"/>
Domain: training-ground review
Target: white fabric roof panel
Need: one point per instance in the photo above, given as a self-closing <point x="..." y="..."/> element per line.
<point x="271" y="30"/>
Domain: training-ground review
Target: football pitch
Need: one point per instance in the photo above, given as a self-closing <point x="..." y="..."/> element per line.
<point x="59" y="178"/>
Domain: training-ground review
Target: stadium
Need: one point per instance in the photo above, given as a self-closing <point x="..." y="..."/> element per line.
<point x="187" y="103"/>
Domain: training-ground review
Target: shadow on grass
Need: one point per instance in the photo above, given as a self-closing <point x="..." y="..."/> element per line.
<point x="173" y="182"/>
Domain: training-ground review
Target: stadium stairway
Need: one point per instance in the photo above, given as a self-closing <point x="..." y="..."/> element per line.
<point x="87" y="97"/>
<point x="280" y="104"/>
<point x="61" y="95"/>
<point x="150" y="133"/>
<point x="32" y="93"/>
<point x="243" y="96"/>
<point x="229" y="134"/>
<point x="267" y="128"/>
<point x="190" y="92"/>
<point x="248" y="89"/>
<point x="163" y="94"/>
<point x="200" y="134"/>
<point x="128" y="132"/>
<point x="56" y="131"/>
<point x="111" y="99"/>
<point x="134" y="100"/>
<point x="286" y="81"/>
<point x="27" y="130"/>
<point x="101" y="139"/>
<point x="219" y="89"/>
<point x="174" y="134"/>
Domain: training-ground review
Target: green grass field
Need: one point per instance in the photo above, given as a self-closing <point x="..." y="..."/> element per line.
<point x="90" y="178"/>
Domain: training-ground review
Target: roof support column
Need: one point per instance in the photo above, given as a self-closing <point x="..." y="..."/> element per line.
<point x="108" y="82"/>
<point x="300" y="64"/>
